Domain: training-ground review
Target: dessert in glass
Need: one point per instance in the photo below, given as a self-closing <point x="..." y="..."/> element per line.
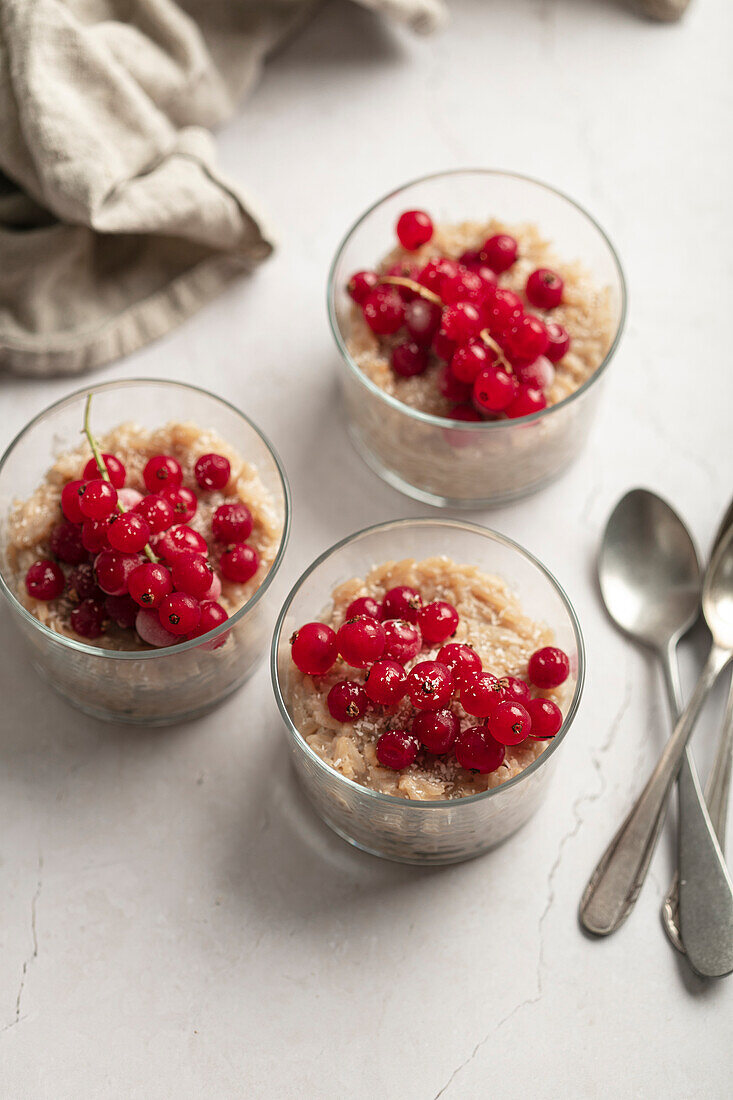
<point x="475" y="314"/>
<point x="141" y="526"/>
<point x="427" y="672"/>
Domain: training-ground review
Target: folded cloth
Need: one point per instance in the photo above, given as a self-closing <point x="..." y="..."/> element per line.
<point x="115" y="222"/>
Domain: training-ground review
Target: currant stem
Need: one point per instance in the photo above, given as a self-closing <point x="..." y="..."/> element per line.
<point x="102" y="466"/>
<point x="490" y="342"/>
<point x="410" y="284"/>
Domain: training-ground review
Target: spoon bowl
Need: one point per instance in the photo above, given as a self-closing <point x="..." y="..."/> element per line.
<point x="717" y="596"/>
<point x="649" y="571"/>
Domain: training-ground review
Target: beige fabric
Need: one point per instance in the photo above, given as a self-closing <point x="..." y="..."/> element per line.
<point x="115" y="223"/>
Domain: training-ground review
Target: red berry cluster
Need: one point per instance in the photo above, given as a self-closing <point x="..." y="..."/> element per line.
<point x="497" y="357"/>
<point x="384" y="637"/>
<point x="135" y="560"/>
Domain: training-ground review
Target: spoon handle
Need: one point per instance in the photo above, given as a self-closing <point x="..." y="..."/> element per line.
<point x="706" y="893"/>
<point x="615" y="884"/>
<point x="671" y="669"/>
<point x="718" y="785"/>
<point x="717" y="790"/>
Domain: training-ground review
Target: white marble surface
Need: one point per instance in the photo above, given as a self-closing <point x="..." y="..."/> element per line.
<point x="174" y="922"/>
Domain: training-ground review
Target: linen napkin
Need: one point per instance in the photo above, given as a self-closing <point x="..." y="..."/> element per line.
<point x="115" y="223"/>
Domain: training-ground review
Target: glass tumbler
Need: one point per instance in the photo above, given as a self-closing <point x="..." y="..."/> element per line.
<point x="157" y="686"/>
<point x="450" y="830"/>
<point x="454" y="463"/>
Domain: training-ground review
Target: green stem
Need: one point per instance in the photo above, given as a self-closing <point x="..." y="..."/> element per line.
<point x="101" y="466"/>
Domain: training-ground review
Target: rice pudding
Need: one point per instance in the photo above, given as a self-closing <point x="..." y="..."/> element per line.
<point x="426" y="680"/>
<point x="193" y="507"/>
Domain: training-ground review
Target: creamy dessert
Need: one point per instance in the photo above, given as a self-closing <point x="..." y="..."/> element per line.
<point x="175" y="537"/>
<point x="427" y="680"/>
<point x="477" y="321"/>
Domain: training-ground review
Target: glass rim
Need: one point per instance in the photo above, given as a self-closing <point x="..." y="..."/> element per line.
<point x="421" y="521"/>
<point x="445" y="421"/>
<point x="191" y="643"/>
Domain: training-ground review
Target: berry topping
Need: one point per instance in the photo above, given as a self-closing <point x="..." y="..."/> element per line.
<point x="66" y="544"/>
<point x="182" y="501"/>
<point x="443" y="346"/>
<point x="128" y="532"/>
<point x="212" y="615"/>
<point x="403" y="640"/>
<point x="402" y="602"/>
<point x="179" y="613"/>
<point x="88" y="619"/>
<point x="212" y="471"/>
<point x="546" y="718"/>
<point x="436" y="730"/>
<point x="364" y="605"/>
<point x="461" y="660"/>
<point x="386" y="683"/>
<point x="429" y="685"/>
<point x="361" y="285"/>
<point x="112" y="569"/>
<point x="510" y="723"/>
<point x="384" y="310"/>
<point x="232" y="522"/>
<point x="414" y="228"/>
<point x="128" y="499"/>
<point x="192" y="574"/>
<point x="361" y="641"/>
<point x="347" y="701"/>
<point x="469" y="360"/>
<point x="494" y="389"/>
<point x="157" y="512"/>
<point x="98" y="499"/>
<point x="314" y="649"/>
<point x="409" y="359"/>
<point x="179" y="539"/>
<point x="94" y="534"/>
<point x="422" y="319"/>
<point x="471" y="258"/>
<point x="515" y="690"/>
<point x="461" y="321"/>
<point x="477" y="750"/>
<point x="397" y="749"/>
<point x="451" y="389"/>
<point x="214" y="591"/>
<point x="499" y="252"/>
<point x="539" y="375"/>
<point x="162" y="472"/>
<point x="115" y="470"/>
<point x="44" y="580"/>
<point x="548" y="667"/>
<point x="527" y="339"/>
<point x="438" y="621"/>
<point x="70" y="501"/>
<point x="150" y="629"/>
<point x="122" y="610"/>
<point x="558" y="342"/>
<point x="149" y="584"/>
<point x="463" y="286"/>
<point x="480" y="694"/>
<point x="82" y="583"/>
<point x="239" y="562"/>
<point x="544" y="288"/>
<point x="528" y="401"/>
<point x="504" y="311"/>
<point x="435" y="271"/>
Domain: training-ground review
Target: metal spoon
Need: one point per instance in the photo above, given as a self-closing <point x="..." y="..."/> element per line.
<point x="650" y="579"/>
<point x="618" y="878"/>
<point x="717" y="787"/>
